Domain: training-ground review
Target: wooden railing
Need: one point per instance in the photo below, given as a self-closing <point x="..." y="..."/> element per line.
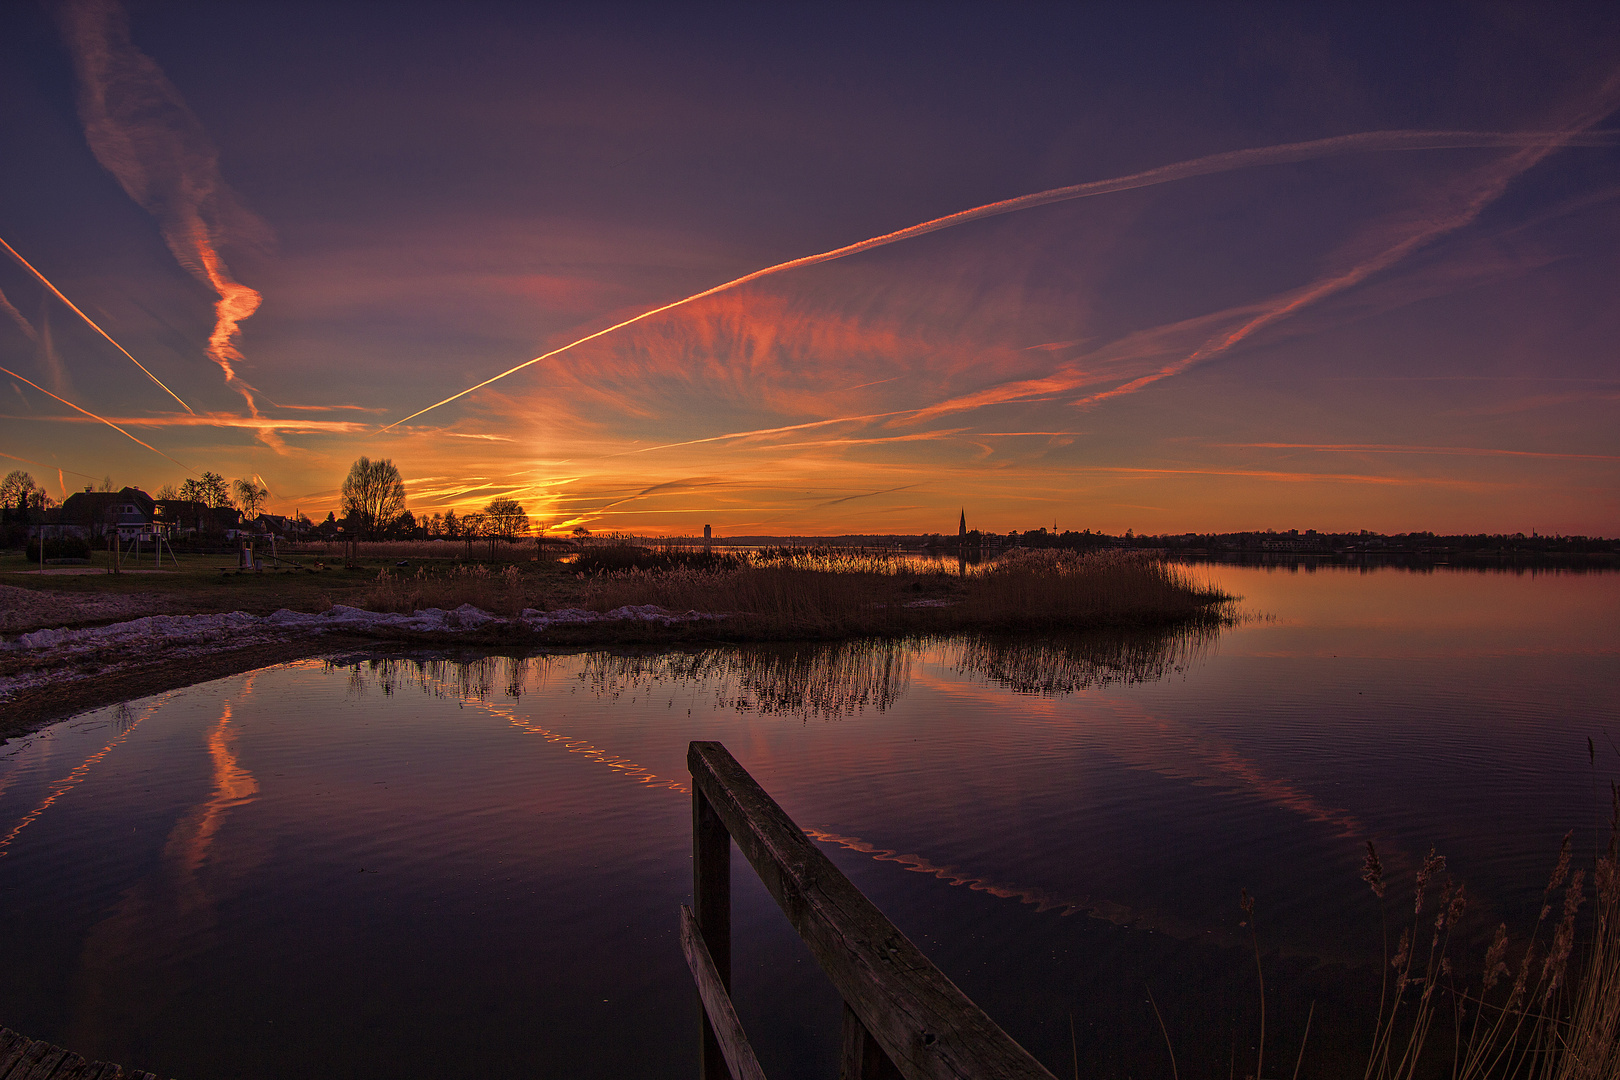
<point x="902" y="1016"/>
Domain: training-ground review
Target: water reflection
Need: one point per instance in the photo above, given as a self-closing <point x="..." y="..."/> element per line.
<point x="820" y="681"/>
<point x="474" y="679"/>
<point x="1071" y="663"/>
<point x="172" y="909"/>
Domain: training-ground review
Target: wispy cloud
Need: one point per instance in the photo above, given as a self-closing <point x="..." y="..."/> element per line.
<point x="1442" y="451"/>
<point x="1215" y="163"/>
<point x="142" y="131"/>
<point x="16" y="316"/>
<point x="1453" y="210"/>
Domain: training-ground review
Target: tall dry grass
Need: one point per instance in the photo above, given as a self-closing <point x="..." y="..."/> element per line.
<point x="801" y="592"/>
<point x="522" y="551"/>
<point x="503" y="592"/>
<point x="1538" y="1008"/>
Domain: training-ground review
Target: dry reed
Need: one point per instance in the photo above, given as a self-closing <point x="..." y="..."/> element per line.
<point x="1553" y="1015"/>
<point x="503" y="592"/>
<point x="799" y="592"/>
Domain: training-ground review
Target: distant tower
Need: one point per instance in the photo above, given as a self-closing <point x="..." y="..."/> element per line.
<point x="961" y="528"/>
<point x="708" y="537"/>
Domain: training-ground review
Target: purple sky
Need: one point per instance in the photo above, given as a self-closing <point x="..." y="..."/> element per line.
<point x="395" y="202"/>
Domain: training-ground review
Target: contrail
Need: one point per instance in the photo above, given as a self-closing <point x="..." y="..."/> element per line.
<point x="58" y="294"/>
<point x="741" y="434"/>
<point x="41" y="464"/>
<point x="1490" y="188"/>
<point x="93" y="416"/>
<point x="1215" y="163"/>
<point x="142" y="131"/>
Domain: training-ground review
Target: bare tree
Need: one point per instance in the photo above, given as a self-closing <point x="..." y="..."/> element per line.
<point x="506" y="519"/>
<point x="211" y="490"/>
<point x="18" y="485"/>
<point x="373" y="495"/>
<point x="252" y="496"/>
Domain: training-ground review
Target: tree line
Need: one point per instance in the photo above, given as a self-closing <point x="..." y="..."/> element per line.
<point x="373" y="503"/>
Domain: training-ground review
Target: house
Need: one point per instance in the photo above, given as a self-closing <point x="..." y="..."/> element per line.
<point x="182" y="517"/>
<point x="278" y="524"/>
<point x="92" y="515"/>
<point x="187" y="517"/>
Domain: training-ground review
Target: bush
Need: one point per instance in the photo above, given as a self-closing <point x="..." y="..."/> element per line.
<point x="66" y="547"/>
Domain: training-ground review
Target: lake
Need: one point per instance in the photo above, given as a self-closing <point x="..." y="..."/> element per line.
<point x="453" y="865"/>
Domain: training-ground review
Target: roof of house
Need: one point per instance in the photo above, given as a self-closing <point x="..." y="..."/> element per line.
<point x="128" y="506"/>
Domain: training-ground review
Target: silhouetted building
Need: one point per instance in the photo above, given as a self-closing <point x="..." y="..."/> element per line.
<point x="93" y="514"/>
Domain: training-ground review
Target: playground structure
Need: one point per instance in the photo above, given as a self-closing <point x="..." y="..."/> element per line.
<point x="155" y="535"/>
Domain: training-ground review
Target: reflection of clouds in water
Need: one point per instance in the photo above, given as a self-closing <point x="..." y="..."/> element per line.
<point x="639" y="773"/>
<point x="124" y="722"/>
<point x="171" y="912"/>
<point x="1070" y="663"/>
<point x="818" y="681"/>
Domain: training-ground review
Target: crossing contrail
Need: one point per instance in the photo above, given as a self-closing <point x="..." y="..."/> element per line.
<point x="93" y="416"/>
<point x="58" y="294"/>
<point x="1362" y="142"/>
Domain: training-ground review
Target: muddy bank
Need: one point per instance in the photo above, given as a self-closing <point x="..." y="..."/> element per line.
<point x="30" y="708"/>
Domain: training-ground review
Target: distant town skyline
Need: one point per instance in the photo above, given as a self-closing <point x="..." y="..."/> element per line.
<point x="1341" y="267"/>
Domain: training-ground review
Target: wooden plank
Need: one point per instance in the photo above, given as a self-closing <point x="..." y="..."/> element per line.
<point x="37" y="1062"/>
<point x="22" y="1058"/>
<point x="12" y="1047"/>
<point x="711" y="900"/>
<point x="860" y="1057"/>
<point x="926" y="1026"/>
<point x="68" y="1067"/>
<point x="739" y="1060"/>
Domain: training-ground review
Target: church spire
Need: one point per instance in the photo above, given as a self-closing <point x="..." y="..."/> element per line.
<point x="961" y="529"/>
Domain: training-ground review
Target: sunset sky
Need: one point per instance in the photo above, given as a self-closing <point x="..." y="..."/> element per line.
<point x="311" y="221"/>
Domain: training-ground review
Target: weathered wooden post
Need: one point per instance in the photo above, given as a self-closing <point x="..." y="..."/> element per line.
<point x="711" y="904"/>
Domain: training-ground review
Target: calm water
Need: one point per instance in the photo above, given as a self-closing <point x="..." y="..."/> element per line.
<point x="451" y="866"/>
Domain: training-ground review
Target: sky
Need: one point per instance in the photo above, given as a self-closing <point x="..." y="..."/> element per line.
<point x="1331" y="266"/>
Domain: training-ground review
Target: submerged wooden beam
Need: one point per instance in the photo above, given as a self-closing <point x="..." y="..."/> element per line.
<point x="922" y="1022"/>
<point x="22" y="1058"/>
<point x="740" y="1062"/>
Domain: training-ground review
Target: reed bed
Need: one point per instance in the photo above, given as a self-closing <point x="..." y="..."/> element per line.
<point x="448" y="549"/>
<point x="1537" y="1008"/>
<point x="802" y="592"/>
<point x="1542" y="1003"/>
<point x="503" y="592"/>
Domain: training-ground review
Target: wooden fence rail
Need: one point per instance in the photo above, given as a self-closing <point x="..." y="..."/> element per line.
<point x="902" y="1016"/>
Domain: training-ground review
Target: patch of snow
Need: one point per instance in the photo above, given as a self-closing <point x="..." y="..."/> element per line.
<point x="157" y="629"/>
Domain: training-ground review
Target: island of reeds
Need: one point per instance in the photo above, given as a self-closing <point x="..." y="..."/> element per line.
<point x="811" y="594"/>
